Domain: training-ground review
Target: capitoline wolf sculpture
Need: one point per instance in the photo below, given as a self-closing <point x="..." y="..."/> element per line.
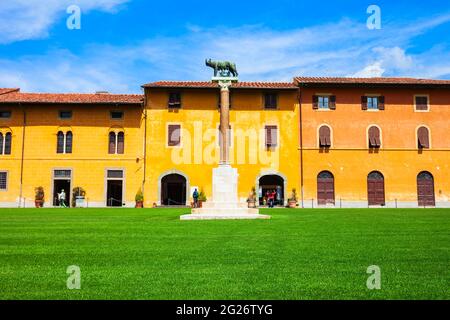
<point x="223" y="68"/>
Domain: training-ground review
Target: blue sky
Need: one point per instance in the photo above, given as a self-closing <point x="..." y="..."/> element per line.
<point x="123" y="44"/>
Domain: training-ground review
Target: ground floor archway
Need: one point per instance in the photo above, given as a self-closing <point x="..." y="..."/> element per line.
<point x="173" y="190"/>
<point x="268" y="183"/>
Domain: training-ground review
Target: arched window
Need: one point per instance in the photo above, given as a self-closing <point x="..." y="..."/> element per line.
<point x="60" y="142"/>
<point x="423" y="138"/>
<point x="324" y="137"/>
<point x="116" y="142"/>
<point x="120" y="142"/>
<point x="325" y="188"/>
<point x="1" y="143"/>
<point x="375" y="189"/>
<point x="374" y="137"/>
<point x="8" y="141"/>
<point x="64" y="142"/>
<point x="425" y="189"/>
<point x="112" y="143"/>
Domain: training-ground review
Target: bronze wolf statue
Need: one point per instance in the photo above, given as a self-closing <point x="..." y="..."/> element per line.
<point x="224" y="67"/>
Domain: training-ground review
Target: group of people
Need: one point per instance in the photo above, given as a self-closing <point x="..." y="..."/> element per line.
<point x="271" y="196"/>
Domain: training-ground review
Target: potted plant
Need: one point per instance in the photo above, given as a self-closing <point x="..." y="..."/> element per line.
<point x="251" y="201"/>
<point x="39" y="197"/>
<point x="292" y="201"/>
<point x="139" y="198"/>
<point x="201" y="198"/>
<point x="78" y="197"/>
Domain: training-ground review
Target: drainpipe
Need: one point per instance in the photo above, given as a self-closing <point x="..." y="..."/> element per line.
<point x="301" y="145"/>
<point x="22" y="156"/>
<point x="144" y="110"/>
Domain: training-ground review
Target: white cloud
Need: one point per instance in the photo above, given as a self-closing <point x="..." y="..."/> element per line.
<point x="339" y="49"/>
<point x="32" y="19"/>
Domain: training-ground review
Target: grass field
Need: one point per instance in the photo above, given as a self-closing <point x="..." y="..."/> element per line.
<point x="151" y="254"/>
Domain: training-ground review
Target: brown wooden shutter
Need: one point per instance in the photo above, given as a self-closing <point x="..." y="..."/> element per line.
<point x="374" y="137"/>
<point x="271" y="136"/>
<point x="324" y="137"/>
<point x="381" y="100"/>
<point x="112" y="143"/>
<point x="364" y="103"/>
<point x="315" y="102"/>
<point x="332" y="103"/>
<point x="423" y="137"/>
<point x="174" y="100"/>
<point x="174" y="137"/>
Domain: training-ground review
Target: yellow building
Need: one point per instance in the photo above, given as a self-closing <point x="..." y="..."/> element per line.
<point x="63" y="141"/>
<point x="339" y="142"/>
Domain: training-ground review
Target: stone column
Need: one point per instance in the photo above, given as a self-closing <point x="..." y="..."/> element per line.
<point x="224" y="121"/>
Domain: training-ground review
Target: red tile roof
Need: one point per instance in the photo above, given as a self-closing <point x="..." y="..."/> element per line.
<point x="71" y="98"/>
<point x="369" y="81"/>
<point x="213" y="85"/>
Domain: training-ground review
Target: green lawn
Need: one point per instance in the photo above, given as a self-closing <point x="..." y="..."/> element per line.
<point x="151" y="254"/>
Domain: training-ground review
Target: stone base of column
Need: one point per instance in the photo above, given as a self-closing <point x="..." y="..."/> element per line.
<point x="224" y="204"/>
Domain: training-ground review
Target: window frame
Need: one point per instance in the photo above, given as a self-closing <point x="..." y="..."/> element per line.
<point x="422" y="96"/>
<point x="63" y="111"/>
<point x="6" y="172"/>
<point x="277" y="142"/>
<point x="5" y="111"/>
<point x="417" y="137"/>
<point x="180" y="144"/>
<point x="318" y="136"/>
<point x="116" y="133"/>
<point x="116" y="111"/>
<point x="265" y="95"/>
<point x="64" y="142"/>
<point x="174" y="105"/>
<point x="368" y="137"/>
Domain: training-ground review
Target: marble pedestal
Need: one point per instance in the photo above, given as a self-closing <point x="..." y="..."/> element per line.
<point x="224" y="204"/>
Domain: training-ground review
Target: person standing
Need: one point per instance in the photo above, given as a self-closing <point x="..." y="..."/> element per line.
<point x="195" y="197"/>
<point x="271" y="199"/>
<point x="62" y="199"/>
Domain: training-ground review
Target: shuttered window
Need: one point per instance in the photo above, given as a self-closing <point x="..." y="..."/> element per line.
<point x="423" y="137"/>
<point x="270" y="100"/>
<point x="421" y="103"/>
<point x="174" y="135"/>
<point x="174" y="100"/>
<point x="374" y="137"/>
<point x="271" y="136"/>
<point x="324" y="102"/>
<point x="324" y="137"/>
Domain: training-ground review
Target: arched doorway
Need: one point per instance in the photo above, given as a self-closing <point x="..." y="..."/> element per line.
<point x="325" y="188"/>
<point x="425" y="189"/>
<point x="173" y="190"/>
<point x="269" y="183"/>
<point x="375" y="189"/>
